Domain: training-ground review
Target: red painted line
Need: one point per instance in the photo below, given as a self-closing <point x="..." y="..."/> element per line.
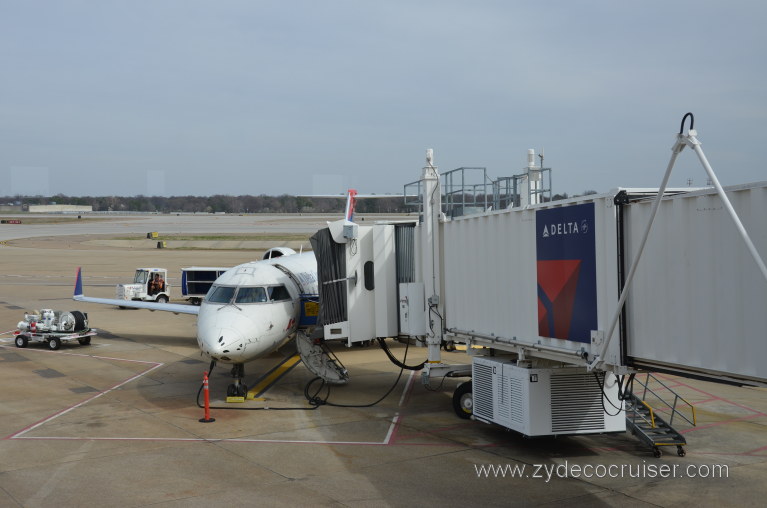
<point x="154" y="365"/>
<point x="391" y="437"/>
<point x="753" y="452"/>
<point x="82" y="403"/>
<point x="724" y="422"/>
<point x="715" y="397"/>
<point x="703" y="401"/>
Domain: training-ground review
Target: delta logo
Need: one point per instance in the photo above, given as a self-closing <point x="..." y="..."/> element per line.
<point x="557" y="289"/>
<point x="565" y="228"/>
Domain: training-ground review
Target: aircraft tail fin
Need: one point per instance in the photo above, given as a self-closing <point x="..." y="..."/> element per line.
<point x="351" y="202"/>
<point x="79" y="283"/>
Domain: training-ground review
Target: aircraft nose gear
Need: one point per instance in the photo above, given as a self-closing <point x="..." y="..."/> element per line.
<point x="237" y="389"/>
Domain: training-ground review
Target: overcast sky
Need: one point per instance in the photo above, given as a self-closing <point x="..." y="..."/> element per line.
<point x="177" y="97"/>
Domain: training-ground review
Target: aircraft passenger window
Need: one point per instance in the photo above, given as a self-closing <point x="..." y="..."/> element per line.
<point x="220" y="294"/>
<point x="250" y="295"/>
<point x="278" y="293"/>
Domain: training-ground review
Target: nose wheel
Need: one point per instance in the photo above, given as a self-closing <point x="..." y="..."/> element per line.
<point x="237" y="388"/>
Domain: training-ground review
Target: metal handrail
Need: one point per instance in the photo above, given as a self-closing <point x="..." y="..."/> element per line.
<point x="672" y="407"/>
<point x="636" y="413"/>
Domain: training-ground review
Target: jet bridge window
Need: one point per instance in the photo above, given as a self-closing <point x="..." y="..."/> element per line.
<point x="250" y="295"/>
<point x="220" y="294"/>
<point x="279" y="293"/>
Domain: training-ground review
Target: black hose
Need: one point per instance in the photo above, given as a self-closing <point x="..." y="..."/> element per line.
<point x="692" y="122"/>
<point x="316" y="401"/>
<point x="604" y="396"/>
<point x="382" y="343"/>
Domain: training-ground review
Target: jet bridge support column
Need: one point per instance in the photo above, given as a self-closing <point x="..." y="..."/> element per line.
<point x="430" y="262"/>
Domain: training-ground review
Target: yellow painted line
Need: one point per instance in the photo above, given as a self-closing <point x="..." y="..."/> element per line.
<point x="273" y="376"/>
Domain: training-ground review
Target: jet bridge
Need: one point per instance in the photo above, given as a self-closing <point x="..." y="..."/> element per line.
<point x="545" y="280"/>
<point x="594" y="283"/>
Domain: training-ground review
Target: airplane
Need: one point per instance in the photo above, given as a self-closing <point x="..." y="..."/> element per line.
<point x="249" y="311"/>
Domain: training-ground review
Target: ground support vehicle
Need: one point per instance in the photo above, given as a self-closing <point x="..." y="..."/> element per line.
<point x="149" y="285"/>
<point x="53" y="327"/>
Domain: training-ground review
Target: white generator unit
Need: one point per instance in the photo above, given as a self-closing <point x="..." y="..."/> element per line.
<point x="545" y="401"/>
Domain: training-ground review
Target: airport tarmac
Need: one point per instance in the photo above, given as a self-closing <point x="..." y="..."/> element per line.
<point x="116" y="423"/>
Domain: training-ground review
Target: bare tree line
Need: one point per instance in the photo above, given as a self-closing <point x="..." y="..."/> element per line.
<point x="217" y="204"/>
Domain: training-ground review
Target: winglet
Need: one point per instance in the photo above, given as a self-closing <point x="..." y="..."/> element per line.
<point x="79" y="283"/>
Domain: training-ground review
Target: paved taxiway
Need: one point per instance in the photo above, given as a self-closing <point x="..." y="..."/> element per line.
<point x="116" y="423"/>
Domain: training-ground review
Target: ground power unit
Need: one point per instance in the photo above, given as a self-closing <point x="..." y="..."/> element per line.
<point x="545" y="401"/>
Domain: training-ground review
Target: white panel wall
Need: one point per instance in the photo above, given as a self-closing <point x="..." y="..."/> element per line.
<point x="386" y="307"/>
<point x="490" y="273"/>
<point x="699" y="299"/>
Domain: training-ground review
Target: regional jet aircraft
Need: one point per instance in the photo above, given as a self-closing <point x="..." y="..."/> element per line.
<point x="250" y="310"/>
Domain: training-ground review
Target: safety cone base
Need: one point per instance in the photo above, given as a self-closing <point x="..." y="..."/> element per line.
<point x="206" y="420"/>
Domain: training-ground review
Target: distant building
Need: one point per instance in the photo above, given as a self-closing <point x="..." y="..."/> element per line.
<point x="60" y="208"/>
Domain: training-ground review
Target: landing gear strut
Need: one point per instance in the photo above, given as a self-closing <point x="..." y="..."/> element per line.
<point x="237" y="389"/>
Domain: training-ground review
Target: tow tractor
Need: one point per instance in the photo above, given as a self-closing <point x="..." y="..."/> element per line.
<point x="54" y="327"/>
<point x="149" y="285"/>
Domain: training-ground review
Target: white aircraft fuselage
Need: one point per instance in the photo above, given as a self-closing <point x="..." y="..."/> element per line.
<point x="250" y="310"/>
<point x="254" y="308"/>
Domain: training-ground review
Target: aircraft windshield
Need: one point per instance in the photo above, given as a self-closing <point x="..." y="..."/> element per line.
<point x="279" y="293"/>
<point x="220" y="294"/>
<point x="250" y="295"/>
<point x="247" y="294"/>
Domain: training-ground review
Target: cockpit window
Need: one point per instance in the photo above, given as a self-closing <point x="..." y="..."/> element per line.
<point x="250" y="295"/>
<point x="246" y="294"/>
<point x="220" y="294"/>
<point x="278" y="293"/>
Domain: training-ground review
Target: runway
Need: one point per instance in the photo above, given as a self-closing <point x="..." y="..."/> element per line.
<point x="116" y="423"/>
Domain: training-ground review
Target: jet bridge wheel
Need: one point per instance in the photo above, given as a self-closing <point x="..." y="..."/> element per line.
<point x="463" y="401"/>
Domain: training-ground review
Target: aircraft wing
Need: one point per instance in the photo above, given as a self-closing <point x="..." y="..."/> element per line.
<point x="175" y="308"/>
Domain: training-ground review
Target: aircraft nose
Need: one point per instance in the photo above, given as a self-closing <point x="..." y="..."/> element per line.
<point x="224" y="343"/>
<point x="222" y="334"/>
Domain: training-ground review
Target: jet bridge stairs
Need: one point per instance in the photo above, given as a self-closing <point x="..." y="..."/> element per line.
<point x="644" y="420"/>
